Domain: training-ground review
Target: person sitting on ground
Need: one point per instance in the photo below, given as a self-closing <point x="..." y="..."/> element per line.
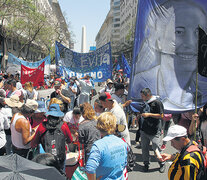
<point x="108" y="156"/>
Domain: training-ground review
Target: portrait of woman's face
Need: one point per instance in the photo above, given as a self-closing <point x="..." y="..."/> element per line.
<point x="187" y="19"/>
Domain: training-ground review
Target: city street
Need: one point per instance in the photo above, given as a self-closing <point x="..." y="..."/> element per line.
<point x="138" y="172"/>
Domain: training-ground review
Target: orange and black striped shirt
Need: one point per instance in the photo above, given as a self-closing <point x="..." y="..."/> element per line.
<point x="186" y="167"/>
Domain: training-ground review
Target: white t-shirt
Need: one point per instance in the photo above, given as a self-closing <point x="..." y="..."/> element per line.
<point x="117" y="98"/>
<point x="121" y="119"/>
<point x="4" y="124"/>
<point x="69" y="118"/>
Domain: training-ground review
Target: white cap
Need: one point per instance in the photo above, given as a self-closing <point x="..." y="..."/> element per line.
<point x="175" y="131"/>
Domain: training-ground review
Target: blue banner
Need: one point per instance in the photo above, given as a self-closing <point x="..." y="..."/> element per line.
<point x="127" y="69"/>
<point x="97" y="64"/>
<point x="14" y="64"/>
<point x="118" y="67"/>
<point x="165" y="52"/>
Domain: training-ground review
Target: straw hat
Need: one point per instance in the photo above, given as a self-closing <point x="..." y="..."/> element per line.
<point x="13" y="101"/>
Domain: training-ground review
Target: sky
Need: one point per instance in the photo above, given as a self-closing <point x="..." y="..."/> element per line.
<point x="90" y="13"/>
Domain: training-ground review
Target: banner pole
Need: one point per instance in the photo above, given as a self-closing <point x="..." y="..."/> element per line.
<point x="196" y="95"/>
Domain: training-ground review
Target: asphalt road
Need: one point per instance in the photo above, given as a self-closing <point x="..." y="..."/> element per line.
<point x="138" y="172"/>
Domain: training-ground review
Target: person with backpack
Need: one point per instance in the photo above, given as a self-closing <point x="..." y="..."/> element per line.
<point x="53" y="134"/>
<point x="189" y="163"/>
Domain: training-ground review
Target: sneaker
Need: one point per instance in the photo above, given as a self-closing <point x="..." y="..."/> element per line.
<point x="162" y="168"/>
<point x="146" y="168"/>
<point x="138" y="145"/>
<point x="163" y="147"/>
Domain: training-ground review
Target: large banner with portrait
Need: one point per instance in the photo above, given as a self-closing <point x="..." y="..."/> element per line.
<point x="165" y="52"/>
<point x="98" y="64"/>
<point x="14" y="64"/>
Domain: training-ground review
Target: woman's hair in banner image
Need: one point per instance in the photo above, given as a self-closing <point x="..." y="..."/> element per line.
<point x="167" y="60"/>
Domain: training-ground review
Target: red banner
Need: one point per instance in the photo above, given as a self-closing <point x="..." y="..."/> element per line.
<point x="35" y="75"/>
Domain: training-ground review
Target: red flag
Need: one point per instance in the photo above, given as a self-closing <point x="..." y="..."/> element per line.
<point x="35" y="75"/>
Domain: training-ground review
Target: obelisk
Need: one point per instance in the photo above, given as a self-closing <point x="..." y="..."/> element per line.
<point x="83" y="42"/>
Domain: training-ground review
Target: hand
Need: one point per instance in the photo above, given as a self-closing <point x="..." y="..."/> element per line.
<point x="58" y="91"/>
<point x="195" y="118"/>
<point x="166" y="157"/>
<point x="127" y="103"/>
<point x="145" y="115"/>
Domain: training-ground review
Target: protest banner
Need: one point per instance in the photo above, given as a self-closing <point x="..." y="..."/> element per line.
<point x="98" y="64"/>
<point x="35" y="75"/>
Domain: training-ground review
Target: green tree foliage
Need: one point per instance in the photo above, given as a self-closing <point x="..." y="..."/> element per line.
<point x="36" y="31"/>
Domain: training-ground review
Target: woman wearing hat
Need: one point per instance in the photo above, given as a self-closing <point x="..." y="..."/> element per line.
<point x="108" y="88"/>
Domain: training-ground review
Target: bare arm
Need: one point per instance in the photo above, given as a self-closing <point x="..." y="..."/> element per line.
<point x="23" y="126"/>
<point x="194" y="123"/>
<point x="157" y="116"/>
<point x="91" y="176"/>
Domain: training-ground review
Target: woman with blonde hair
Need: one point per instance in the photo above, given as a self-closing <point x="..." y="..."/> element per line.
<point x="56" y="101"/>
<point x="31" y="92"/>
<point x="108" y="156"/>
<point x="88" y="133"/>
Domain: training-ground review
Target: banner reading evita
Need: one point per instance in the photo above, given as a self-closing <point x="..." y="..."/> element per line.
<point x="97" y="64"/>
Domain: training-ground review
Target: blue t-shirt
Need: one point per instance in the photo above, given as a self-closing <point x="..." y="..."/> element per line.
<point x="108" y="158"/>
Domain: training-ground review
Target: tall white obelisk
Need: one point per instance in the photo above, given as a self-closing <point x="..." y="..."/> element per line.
<point x="83" y="42"/>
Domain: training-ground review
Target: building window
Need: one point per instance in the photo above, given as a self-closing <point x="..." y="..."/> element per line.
<point x="116" y="25"/>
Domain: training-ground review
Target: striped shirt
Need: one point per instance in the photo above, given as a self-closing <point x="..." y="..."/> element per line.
<point x="186" y="166"/>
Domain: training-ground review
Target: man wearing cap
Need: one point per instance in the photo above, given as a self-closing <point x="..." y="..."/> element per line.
<point x="186" y="165"/>
<point x="61" y="94"/>
<point x="21" y="130"/>
<point x="112" y="106"/>
<point x="108" y="88"/>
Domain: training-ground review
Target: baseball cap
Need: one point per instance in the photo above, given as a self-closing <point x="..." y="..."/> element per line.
<point x="57" y="83"/>
<point x="105" y="95"/>
<point x="175" y="131"/>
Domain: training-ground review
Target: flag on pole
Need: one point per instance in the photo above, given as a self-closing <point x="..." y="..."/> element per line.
<point x="202" y="52"/>
<point x="127" y="69"/>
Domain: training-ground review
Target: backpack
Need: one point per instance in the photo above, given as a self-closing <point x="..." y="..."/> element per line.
<point x="130" y="158"/>
<point x="54" y="142"/>
<point x="202" y="149"/>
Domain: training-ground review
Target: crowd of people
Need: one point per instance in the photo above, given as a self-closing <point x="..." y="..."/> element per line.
<point x="69" y="122"/>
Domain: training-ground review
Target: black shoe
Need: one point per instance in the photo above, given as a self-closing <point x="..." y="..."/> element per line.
<point x="162" y="168"/>
<point x="146" y="168"/>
